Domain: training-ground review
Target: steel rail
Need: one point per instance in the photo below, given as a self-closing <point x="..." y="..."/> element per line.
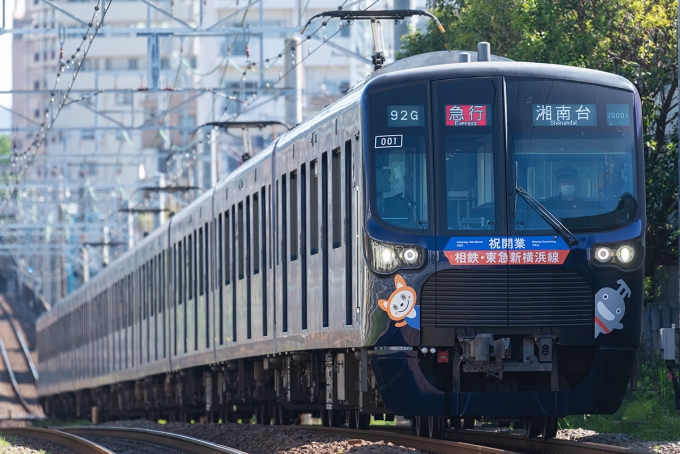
<point x="182" y="442"/>
<point x="24" y="346"/>
<point x="57" y="437"/>
<point x="430" y="445"/>
<point x="13" y="379"/>
<point x="534" y="445"/>
<point x="520" y="442"/>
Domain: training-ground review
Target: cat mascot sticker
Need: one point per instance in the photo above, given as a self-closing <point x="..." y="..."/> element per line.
<point x="401" y="306"/>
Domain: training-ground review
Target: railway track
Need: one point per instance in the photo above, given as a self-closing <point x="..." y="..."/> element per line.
<point x="8" y="351"/>
<point x="154" y="437"/>
<point x="477" y="441"/>
<point x="57" y="437"/>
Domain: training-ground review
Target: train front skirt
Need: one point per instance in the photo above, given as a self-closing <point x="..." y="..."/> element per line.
<point x="407" y="392"/>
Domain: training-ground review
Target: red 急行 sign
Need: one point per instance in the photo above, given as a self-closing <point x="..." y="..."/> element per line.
<point x="466" y="115"/>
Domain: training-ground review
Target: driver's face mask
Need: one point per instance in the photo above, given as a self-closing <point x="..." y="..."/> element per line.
<point x="567" y="189"/>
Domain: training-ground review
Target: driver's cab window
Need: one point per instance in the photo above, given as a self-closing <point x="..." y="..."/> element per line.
<point x="401" y="185"/>
<point x="469" y="182"/>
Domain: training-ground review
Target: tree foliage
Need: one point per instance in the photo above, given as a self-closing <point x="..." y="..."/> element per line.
<point x="5" y="145"/>
<point x="636" y="39"/>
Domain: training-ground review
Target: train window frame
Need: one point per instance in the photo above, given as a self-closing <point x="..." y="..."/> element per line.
<point x="205" y="278"/>
<point x="293" y="231"/>
<point x="241" y="242"/>
<point x="377" y="99"/>
<point x="201" y="270"/>
<point x="303" y="245"/>
<point x="336" y="197"/>
<point x="314" y="207"/>
<point x="189" y="257"/>
<point x="576" y="144"/>
<point x="227" y="247"/>
<point x="264" y="283"/>
<point x="324" y="241"/>
<point x="220" y="279"/>
<point x="234" y="332"/>
<point x="247" y="251"/>
<point x="348" y="232"/>
<point x="163" y="281"/>
<point x="256" y="233"/>
<point x="284" y="256"/>
<point x="142" y="287"/>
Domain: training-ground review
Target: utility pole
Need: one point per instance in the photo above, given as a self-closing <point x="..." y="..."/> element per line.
<point x="294" y="80"/>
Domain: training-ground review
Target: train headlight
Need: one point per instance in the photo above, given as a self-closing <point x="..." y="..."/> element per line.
<point x="410" y="255"/>
<point x="616" y="254"/>
<point x="603" y="254"/>
<point x="387" y="258"/>
<point x="625" y="254"/>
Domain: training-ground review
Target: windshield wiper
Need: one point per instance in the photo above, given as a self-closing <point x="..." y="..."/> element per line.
<point x="548" y="216"/>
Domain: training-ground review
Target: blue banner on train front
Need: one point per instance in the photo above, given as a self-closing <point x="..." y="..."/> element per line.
<point x="532" y="250"/>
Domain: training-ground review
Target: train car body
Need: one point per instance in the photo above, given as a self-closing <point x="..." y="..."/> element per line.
<point x="448" y="240"/>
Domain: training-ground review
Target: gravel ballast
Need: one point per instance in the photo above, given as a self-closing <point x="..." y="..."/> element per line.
<point x="260" y="439"/>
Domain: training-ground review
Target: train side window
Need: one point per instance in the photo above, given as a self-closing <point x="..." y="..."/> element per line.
<point x="256" y="234"/>
<point x="278" y="199"/>
<point x="232" y="257"/>
<point x="181" y="270"/>
<point x="240" y="234"/>
<point x="175" y="275"/>
<point x="247" y="271"/>
<point x="142" y="291"/>
<point x="190" y="262"/>
<point x="227" y="248"/>
<point x="324" y="238"/>
<point x="314" y="207"/>
<point x="194" y="279"/>
<point x="162" y="281"/>
<point x="303" y="243"/>
<point x="130" y="295"/>
<point x="201" y="271"/>
<point x="264" y="260"/>
<point x="294" y="236"/>
<point x="154" y="285"/>
<point x="269" y="219"/>
<point x="284" y="260"/>
<point x="205" y="277"/>
<point x="220" y="276"/>
<point x="336" y="199"/>
<point x="348" y="232"/>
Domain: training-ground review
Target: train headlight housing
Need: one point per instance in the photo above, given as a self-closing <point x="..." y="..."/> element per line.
<point x="625" y="254"/>
<point x="616" y="254"/>
<point x="386" y="257"/>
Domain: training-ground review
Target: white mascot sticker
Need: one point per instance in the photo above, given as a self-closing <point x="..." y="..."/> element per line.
<point x="610" y="308"/>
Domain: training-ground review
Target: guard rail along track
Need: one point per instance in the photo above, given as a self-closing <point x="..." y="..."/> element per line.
<point x="475" y="441"/>
<point x="58" y="438"/>
<point x="154" y="436"/>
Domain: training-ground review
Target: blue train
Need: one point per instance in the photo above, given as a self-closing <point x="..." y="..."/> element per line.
<point x="450" y="241"/>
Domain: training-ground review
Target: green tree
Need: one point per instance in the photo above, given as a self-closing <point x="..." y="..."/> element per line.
<point x="636" y="39"/>
<point x="5" y="145"/>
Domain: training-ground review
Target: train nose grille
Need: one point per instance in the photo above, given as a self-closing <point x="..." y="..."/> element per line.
<point x="523" y="297"/>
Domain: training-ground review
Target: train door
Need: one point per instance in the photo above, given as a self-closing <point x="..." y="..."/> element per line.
<point x="469" y="287"/>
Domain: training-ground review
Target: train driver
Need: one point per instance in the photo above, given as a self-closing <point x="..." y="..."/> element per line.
<point x="567" y="198"/>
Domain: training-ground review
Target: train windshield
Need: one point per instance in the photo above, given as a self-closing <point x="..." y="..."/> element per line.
<point x="400" y="182"/>
<point x="572" y="147"/>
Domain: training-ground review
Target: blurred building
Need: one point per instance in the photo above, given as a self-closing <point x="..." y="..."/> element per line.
<point x="156" y="71"/>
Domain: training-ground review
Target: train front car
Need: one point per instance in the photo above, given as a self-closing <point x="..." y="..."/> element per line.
<point x="505" y="241"/>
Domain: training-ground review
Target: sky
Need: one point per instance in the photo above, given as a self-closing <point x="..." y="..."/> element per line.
<point x="6" y="65"/>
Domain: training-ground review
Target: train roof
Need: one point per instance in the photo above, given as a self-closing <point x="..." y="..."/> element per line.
<point x="446" y="64"/>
